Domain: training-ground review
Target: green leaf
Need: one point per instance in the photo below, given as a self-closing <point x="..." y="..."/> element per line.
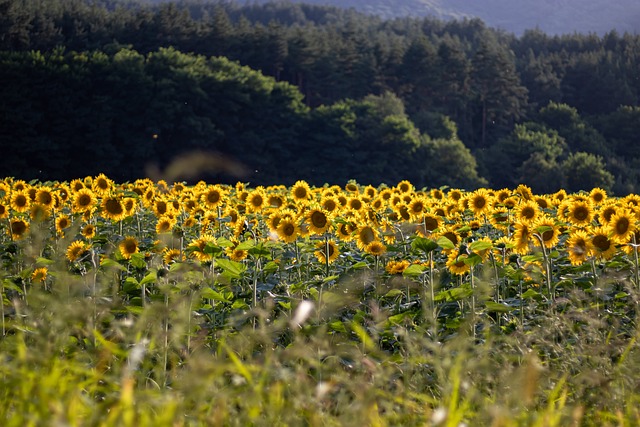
<point x="149" y="278"/>
<point x="445" y="243"/>
<point x="338" y="326"/>
<point x="225" y="243"/>
<point x="239" y="305"/>
<point x="363" y="336"/>
<point x="393" y="293"/>
<point x="534" y="257"/>
<point x="212" y="249"/>
<point x="414" y="270"/>
<point x="8" y="284"/>
<point x="232" y="268"/>
<point x="246" y="245"/>
<point x="472" y="260"/>
<point x="270" y="267"/>
<point x="495" y="307"/>
<point x="424" y="244"/>
<point x="455" y="294"/>
<point x="130" y="285"/>
<point x="209" y="293"/>
<point x="480" y="245"/>
<point x="137" y="260"/>
<point x="110" y="263"/>
<point x="359" y="265"/>
<point x="530" y="293"/>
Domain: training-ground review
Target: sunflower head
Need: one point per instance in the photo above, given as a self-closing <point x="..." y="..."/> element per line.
<point x="318" y="221"/>
<point x="76" y="250"/>
<point x="39" y="274"/>
<point x="324" y="247"/>
<point x="376" y="248"/>
<point x="128" y="246"/>
<point x="18" y="228"/>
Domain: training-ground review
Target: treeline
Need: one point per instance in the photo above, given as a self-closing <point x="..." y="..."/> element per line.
<point x="337" y="95"/>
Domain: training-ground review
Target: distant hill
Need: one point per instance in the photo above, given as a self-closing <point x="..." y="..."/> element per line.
<point x="514" y="16"/>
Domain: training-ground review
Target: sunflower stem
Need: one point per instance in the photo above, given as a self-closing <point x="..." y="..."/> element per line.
<point x="636" y="271"/>
<point x="4" y="331"/>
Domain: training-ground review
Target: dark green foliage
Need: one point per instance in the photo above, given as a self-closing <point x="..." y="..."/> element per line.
<point x="96" y="80"/>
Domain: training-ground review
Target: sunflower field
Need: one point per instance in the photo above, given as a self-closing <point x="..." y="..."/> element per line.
<point x="155" y="303"/>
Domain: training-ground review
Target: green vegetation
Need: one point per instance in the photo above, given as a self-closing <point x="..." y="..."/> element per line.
<point x="89" y="79"/>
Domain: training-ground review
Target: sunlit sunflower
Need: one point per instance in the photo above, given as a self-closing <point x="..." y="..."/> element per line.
<point x="317" y="221"/>
<point x="579" y="246"/>
<point x="606" y="212"/>
<point x="165" y="224"/>
<point x="524" y="192"/>
<point x="580" y="213"/>
<point x="428" y="224"/>
<point x="451" y="234"/>
<point x="598" y="196"/>
<point x="89" y="231"/>
<point x="547" y="231"/>
<point x="129" y="246"/>
<point x="603" y="246"/>
<point x="417" y="207"/>
<point x="527" y="212"/>
<point x="256" y="200"/>
<point x="76" y="250"/>
<point x="455" y="263"/>
<point x="171" y="255"/>
<point x="344" y="231"/>
<point x="376" y="248"/>
<point x="83" y="201"/>
<point x="365" y="234"/>
<point x="39" y="275"/>
<point x="148" y="197"/>
<point x="355" y="203"/>
<point x="18" y="229"/>
<point x="402" y="212"/>
<point x="112" y="208"/>
<point x="405" y="186"/>
<point x="397" y="267"/>
<point x="352" y="187"/>
<point x="198" y="246"/>
<point x="20" y="201"/>
<point x="543" y="202"/>
<point x="522" y="238"/>
<point x="4" y="211"/>
<point x="275" y="200"/>
<point x="45" y="198"/>
<point x="622" y="226"/>
<point x="300" y="191"/>
<point x="370" y="192"/>
<point x="160" y="207"/>
<point x="62" y="222"/>
<point x="102" y="185"/>
<point x="480" y="202"/>
<point x="38" y="213"/>
<point x="288" y="230"/>
<point x="236" y="254"/>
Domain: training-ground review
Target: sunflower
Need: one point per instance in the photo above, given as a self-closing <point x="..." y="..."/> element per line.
<point x="345" y="230"/>
<point x="527" y="212"/>
<point x="76" y="185"/>
<point x="4" y="211"/>
<point x="451" y="234"/>
<point x="417" y="207"/>
<point x="45" y="198"/>
<point x="83" y="201"/>
<point x="236" y="254"/>
<point x="370" y="192"/>
<point x="256" y="200"/>
<point x="102" y="185"/>
<point x="288" y="230"/>
<point x="62" y="222"/>
<point x="622" y="226"/>
<point x="376" y="248"/>
<point x="605" y="213"/>
<point x="428" y="224"/>
<point x="329" y="204"/>
<point x="300" y="191"/>
<point x="364" y="235"/>
<point x="198" y="246"/>
<point x="20" y="201"/>
<point x="402" y="212"/>
<point x="318" y="221"/>
<point x="524" y="192"/>
<point x="112" y="208"/>
<point x="580" y="213"/>
<point x="397" y="267"/>
<point x="455" y="263"/>
<point x="275" y="200"/>
<point x="165" y="224"/>
<point x="603" y="246"/>
<point x="598" y="196"/>
<point x="480" y="202"/>
<point x="89" y="231"/>
<point x="38" y="213"/>
<point x="523" y="233"/>
<point x="579" y="247"/>
<point x="355" y="203"/>
<point x="76" y="250"/>
<point x="148" y="197"/>
<point x="352" y="187"/>
<point x="547" y="231"/>
<point x="18" y="229"/>
<point x="404" y="186"/>
<point x="128" y="246"/>
<point x="160" y="207"/>
<point x="171" y="255"/>
<point x="39" y="274"/>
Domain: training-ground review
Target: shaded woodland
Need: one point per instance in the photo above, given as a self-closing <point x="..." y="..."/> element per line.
<point x="297" y="91"/>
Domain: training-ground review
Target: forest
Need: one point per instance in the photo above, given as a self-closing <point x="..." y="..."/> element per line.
<point x="291" y="91"/>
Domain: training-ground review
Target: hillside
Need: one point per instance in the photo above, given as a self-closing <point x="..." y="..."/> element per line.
<point x="551" y="16"/>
